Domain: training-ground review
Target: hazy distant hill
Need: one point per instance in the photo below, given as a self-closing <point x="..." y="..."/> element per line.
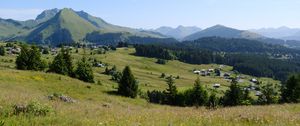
<point x="280" y="33"/>
<point x="179" y="33"/>
<point x="67" y="26"/>
<point x="223" y="31"/>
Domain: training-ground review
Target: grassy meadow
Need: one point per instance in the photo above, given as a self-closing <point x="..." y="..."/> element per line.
<point x="96" y="106"/>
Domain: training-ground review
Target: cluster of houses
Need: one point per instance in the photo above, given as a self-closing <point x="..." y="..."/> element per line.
<point x="208" y="72"/>
<point x="204" y="72"/>
<point x="13" y="50"/>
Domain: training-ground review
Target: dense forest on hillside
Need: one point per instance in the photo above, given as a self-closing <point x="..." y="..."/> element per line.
<point x="246" y="56"/>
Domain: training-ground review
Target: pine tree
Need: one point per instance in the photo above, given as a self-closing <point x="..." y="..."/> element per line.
<point x="128" y="85"/>
<point x="2" y="51"/>
<point x="68" y="62"/>
<point x="84" y="71"/>
<point x="213" y="100"/>
<point x="171" y="91"/>
<point x="269" y="95"/>
<point x="30" y="59"/>
<point x="199" y="95"/>
<point x="234" y="95"/>
<point x="62" y="63"/>
<point x="291" y="90"/>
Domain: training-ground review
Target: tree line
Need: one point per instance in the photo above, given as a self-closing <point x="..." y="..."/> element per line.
<point x="236" y="95"/>
<point x="257" y="59"/>
<point x="30" y="59"/>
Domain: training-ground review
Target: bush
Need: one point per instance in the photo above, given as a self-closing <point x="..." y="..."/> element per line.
<point x="155" y="96"/>
<point x="33" y="108"/>
<point x="161" y="61"/>
<point x="163" y="75"/>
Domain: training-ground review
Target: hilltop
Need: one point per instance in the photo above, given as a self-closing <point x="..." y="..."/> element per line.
<point x="66" y="26"/>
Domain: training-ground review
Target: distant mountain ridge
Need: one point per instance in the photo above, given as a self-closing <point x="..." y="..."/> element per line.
<point x="283" y="32"/>
<point x="223" y="31"/>
<point x="179" y="33"/>
<point x="58" y="26"/>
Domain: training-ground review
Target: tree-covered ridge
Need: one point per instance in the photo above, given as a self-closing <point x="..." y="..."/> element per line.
<point x="247" y="56"/>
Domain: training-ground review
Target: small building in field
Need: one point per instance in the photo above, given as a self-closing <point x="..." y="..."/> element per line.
<point x="216" y="85"/>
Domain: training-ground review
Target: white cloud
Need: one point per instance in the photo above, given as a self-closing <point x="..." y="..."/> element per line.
<point x="19" y="14"/>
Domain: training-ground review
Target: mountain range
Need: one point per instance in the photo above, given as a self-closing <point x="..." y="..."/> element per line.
<point x="178" y="33"/>
<point x="57" y="26"/>
<point x="66" y="26"/>
<point x="283" y="32"/>
<point x="223" y="31"/>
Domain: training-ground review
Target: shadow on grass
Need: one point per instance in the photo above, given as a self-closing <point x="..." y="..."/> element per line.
<point x="112" y="93"/>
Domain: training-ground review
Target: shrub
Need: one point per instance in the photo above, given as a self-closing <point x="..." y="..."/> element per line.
<point x="163" y="75"/>
<point x="161" y="61"/>
<point x="155" y="96"/>
<point x="33" y="108"/>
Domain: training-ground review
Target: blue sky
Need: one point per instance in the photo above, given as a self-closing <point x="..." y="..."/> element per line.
<point x="242" y="14"/>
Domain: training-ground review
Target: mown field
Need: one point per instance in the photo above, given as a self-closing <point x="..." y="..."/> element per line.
<point x="95" y="105"/>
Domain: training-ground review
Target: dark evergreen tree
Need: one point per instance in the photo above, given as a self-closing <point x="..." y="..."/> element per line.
<point x="84" y="71"/>
<point x="163" y="75"/>
<point x="291" y="90"/>
<point x="30" y="59"/>
<point x="62" y="63"/>
<point x="234" y="95"/>
<point x="2" y="50"/>
<point x="213" y="100"/>
<point x="199" y="94"/>
<point x="269" y="95"/>
<point x="171" y="91"/>
<point x="128" y="85"/>
<point x="45" y="51"/>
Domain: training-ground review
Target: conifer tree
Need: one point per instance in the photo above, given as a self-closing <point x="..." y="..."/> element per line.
<point x="2" y="51"/>
<point x="30" y="59"/>
<point x="234" y="95"/>
<point x="62" y="63"/>
<point x="84" y="71"/>
<point x="199" y="95"/>
<point x="291" y="90"/>
<point x="171" y="91"/>
<point x="128" y="85"/>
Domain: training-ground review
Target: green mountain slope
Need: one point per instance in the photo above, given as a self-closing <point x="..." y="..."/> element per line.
<point x="10" y="28"/>
<point x="222" y="31"/>
<point x="65" y="27"/>
<point x="68" y="26"/>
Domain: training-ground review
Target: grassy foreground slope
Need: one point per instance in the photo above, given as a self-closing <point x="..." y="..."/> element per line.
<point x="96" y="106"/>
